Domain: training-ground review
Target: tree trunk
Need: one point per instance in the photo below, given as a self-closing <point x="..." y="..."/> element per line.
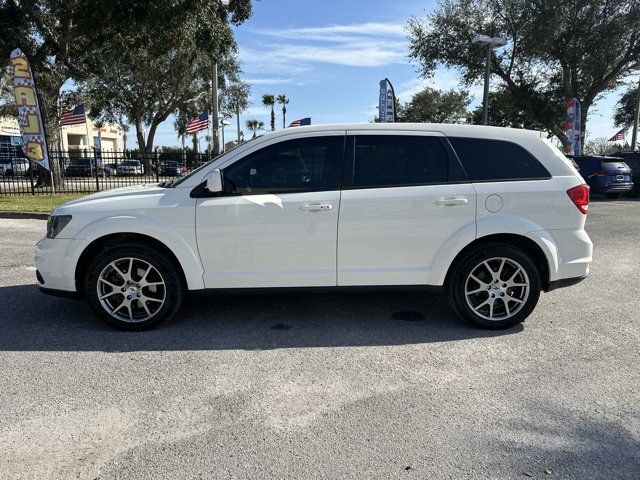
<point x="273" y="119"/>
<point x="284" y="117"/>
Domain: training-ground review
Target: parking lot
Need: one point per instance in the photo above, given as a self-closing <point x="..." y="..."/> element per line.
<point x="326" y="386"/>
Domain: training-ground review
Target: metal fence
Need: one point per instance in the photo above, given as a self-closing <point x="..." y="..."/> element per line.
<point x="86" y="171"/>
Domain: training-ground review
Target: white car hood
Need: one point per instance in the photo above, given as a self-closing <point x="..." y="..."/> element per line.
<point x="129" y="194"/>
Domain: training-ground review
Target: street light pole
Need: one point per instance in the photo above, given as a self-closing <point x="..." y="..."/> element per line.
<point x="214" y="109"/>
<point x="214" y="99"/>
<point x="489" y="43"/>
<point x="634" y="135"/>
<point x="485" y="95"/>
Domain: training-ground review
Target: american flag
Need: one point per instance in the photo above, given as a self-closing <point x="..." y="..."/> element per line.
<point x="300" y="123"/>
<point x="75" y="116"/>
<point x="198" y="124"/>
<point x="618" y="136"/>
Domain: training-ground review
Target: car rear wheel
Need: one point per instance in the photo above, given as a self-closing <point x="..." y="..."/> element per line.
<point x="495" y="286"/>
<point x="132" y="287"/>
<point x="613" y="196"/>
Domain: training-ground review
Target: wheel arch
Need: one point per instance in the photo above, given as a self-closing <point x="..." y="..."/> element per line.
<point x="522" y="242"/>
<point x="105" y="241"/>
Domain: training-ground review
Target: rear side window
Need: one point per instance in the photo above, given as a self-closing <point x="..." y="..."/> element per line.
<point x="486" y="160"/>
<point x="399" y="160"/>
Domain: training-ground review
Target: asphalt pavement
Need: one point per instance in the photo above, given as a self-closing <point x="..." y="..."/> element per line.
<point x="326" y="386"/>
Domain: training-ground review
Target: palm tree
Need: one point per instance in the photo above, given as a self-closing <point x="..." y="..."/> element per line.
<point x="283" y="100"/>
<point x="269" y="100"/>
<point x="255" y="125"/>
<point x="124" y="128"/>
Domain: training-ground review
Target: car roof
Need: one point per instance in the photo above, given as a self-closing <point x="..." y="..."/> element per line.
<point x="449" y="129"/>
<point x="596" y="157"/>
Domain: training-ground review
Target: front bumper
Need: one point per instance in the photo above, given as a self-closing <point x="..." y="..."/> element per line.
<point x="55" y="261"/>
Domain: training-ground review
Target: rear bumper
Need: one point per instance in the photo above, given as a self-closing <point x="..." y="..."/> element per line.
<point x="612" y="188"/>
<point x="568" y="252"/>
<point x="564" y="282"/>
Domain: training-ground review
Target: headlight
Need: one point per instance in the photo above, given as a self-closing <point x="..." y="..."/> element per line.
<point x="56" y="223"/>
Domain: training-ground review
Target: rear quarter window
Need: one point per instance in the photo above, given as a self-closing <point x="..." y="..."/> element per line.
<point x="487" y="160"/>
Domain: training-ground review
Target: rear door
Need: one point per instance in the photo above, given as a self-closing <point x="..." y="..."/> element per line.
<point x="404" y="198"/>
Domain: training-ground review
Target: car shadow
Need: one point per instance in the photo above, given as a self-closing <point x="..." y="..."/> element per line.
<point x="37" y="322"/>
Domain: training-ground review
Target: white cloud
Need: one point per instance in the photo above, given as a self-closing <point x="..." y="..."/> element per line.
<point x="337" y="33"/>
<point x="257" y="110"/>
<point x="295" y="50"/>
<point x="269" y="81"/>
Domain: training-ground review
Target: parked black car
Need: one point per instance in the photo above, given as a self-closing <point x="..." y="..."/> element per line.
<point x="85" y="167"/>
<point x="609" y="176"/>
<point x="633" y="160"/>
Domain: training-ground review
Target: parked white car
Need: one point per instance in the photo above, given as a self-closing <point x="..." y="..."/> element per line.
<point x="130" y="167"/>
<point x="13" y="166"/>
<point x="491" y="216"/>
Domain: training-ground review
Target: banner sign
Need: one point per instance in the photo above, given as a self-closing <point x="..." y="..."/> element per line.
<point x="387" y="104"/>
<point x="574" y="127"/>
<point x="34" y="142"/>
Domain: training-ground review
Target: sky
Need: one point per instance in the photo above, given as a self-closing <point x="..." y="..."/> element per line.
<point x="329" y="56"/>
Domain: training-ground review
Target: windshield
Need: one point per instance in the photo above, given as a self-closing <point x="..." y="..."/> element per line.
<point x="176" y="182"/>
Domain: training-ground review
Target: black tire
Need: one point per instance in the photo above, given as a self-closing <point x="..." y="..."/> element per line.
<point x="613" y="196"/>
<point x="165" y="266"/>
<point x="635" y="190"/>
<point x="455" y="287"/>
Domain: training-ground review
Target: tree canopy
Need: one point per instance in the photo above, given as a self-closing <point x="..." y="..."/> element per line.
<point x="555" y="50"/>
<point x="87" y="42"/>
<point x="625" y="111"/>
<point x="436" y="106"/>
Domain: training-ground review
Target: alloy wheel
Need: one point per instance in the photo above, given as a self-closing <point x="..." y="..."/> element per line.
<point x="497" y="288"/>
<point x="131" y="289"/>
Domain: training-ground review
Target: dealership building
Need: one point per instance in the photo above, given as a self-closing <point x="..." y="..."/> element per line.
<point x="80" y="137"/>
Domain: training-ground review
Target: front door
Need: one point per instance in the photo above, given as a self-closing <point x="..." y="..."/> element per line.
<point x="405" y="199"/>
<point x="275" y="225"/>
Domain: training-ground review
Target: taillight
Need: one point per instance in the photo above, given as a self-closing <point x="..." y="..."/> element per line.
<point x="580" y="197"/>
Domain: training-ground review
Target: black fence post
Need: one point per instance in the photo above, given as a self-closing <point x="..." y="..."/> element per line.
<point x="95" y="162"/>
<point x="155" y="159"/>
<point x="33" y="190"/>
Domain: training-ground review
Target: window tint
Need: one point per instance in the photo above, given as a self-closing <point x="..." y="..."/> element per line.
<point x="395" y="160"/>
<point x="302" y="165"/>
<point x="496" y="160"/>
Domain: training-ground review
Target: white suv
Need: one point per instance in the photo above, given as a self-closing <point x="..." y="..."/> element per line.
<point x="491" y="216"/>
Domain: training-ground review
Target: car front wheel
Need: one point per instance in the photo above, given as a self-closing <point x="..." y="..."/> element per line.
<point x="132" y="287"/>
<point x="495" y="286"/>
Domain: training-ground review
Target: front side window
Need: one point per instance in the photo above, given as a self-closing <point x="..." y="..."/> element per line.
<point x="399" y="160"/>
<point x="302" y="165"/>
<point x="486" y="160"/>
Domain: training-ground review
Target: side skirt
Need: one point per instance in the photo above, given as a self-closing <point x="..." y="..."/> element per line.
<point x="427" y="289"/>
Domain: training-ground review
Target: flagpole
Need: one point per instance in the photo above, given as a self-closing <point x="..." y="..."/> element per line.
<point x="86" y="124"/>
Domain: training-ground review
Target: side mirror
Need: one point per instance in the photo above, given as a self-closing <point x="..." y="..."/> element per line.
<point x="214" y="181"/>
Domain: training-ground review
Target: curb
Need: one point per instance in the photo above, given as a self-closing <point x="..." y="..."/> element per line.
<point x="23" y="215"/>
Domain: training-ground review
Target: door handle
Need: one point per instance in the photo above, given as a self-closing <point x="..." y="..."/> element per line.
<point x="316" y="207"/>
<point x="452" y="201"/>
